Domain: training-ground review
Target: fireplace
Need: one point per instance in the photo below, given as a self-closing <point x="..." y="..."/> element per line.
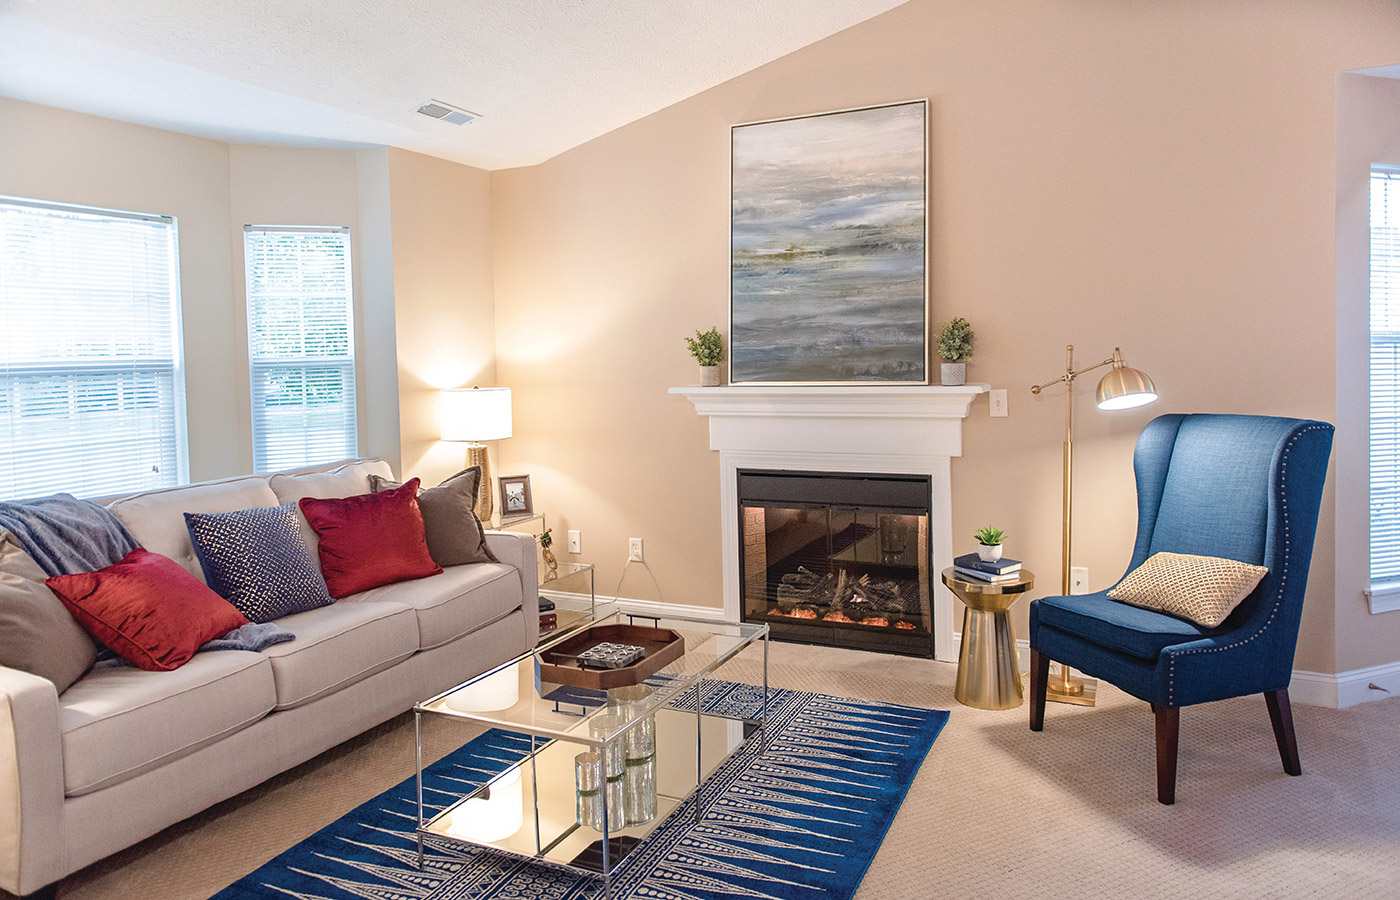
<point x="837" y="558"/>
<point x="899" y="431"/>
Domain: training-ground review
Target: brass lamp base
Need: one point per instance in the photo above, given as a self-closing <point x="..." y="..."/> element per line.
<point x="477" y="456"/>
<point x="1075" y="691"/>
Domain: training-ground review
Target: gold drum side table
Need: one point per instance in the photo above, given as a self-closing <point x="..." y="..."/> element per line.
<point x="989" y="671"/>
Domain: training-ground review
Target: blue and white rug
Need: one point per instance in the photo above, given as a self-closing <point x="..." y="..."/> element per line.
<point x="801" y="820"/>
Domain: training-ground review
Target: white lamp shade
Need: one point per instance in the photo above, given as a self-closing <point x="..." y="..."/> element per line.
<point x="475" y="414"/>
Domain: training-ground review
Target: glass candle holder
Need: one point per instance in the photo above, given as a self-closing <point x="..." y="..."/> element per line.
<point x="601" y="728"/>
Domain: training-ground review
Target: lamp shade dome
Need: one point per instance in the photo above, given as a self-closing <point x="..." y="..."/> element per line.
<point x="1125" y="387"/>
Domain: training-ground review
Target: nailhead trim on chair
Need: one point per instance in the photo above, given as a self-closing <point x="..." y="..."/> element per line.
<point x="1283" y="579"/>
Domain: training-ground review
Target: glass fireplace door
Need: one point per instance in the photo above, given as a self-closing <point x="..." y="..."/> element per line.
<point x="821" y="569"/>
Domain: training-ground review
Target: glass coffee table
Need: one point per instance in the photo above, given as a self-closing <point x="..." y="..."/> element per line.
<point x="606" y="764"/>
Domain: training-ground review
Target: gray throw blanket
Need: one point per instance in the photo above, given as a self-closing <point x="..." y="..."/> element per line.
<point x="65" y="536"/>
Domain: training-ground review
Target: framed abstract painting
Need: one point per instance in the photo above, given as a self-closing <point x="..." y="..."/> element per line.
<point x="829" y="248"/>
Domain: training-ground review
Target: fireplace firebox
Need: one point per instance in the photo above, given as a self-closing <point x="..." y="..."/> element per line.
<point x="837" y="558"/>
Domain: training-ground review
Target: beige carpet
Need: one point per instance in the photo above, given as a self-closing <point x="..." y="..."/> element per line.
<point x="996" y="812"/>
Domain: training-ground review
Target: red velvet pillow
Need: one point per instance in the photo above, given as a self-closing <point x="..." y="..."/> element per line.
<point x="370" y="539"/>
<point x="148" y="609"/>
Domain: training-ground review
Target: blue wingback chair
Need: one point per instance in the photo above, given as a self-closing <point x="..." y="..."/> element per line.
<point x="1241" y="487"/>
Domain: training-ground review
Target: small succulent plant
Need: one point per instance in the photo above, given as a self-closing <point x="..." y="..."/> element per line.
<point x="989" y="536"/>
<point x="955" y="341"/>
<point x="706" y="347"/>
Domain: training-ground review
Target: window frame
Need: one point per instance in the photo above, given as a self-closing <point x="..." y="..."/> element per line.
<point x="172" y="368"/>
<point x="1384" y="588"/>
<point x="348" y="364"/>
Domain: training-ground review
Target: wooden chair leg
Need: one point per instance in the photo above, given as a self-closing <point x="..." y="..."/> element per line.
<point x="1168" y="730"/>
<point x="1281" y="714"/>
<point x="1040" y="679"/>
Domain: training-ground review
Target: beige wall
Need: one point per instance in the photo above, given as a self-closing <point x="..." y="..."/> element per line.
<point x="377" y="337"/>
<point x="286" y="186"/>
<point x="51" y="154"/>
<point x="1152" y="176"/>
<point x="1368" y="131"/>
<point x="442" y="298"/>
<point x="420" y="245"/>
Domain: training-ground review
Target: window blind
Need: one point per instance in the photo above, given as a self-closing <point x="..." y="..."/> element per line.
<point x="91" y="382"/>
<point x="1385" y="377"/>
<point x="301" y="345"/>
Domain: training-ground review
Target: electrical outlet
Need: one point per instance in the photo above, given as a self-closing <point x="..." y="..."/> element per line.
<point x="996" y="400"/>
<point x="575" y="542"/>
<point x="634" y="549"/>
<point x="1078" y="579"/>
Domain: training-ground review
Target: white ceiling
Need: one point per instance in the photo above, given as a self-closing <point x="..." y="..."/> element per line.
<point x="545" y="75"/>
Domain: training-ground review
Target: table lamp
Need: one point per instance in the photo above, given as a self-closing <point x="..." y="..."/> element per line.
<point x="1121" y="387"/>
<point x="475" y="415"/>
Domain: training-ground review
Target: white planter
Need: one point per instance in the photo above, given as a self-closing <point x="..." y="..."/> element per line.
<point x="989" y="552"/>
<point x="954" y="373"/>
<point x="709" y="376"/>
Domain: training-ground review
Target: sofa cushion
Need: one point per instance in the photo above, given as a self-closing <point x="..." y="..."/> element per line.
<point x="459" y="601"/>
<point x="337" y="646"/>
<point x="370" y="540"/>
<point x="257" y="560"/>
<point x="1128" y="629"/>
<point x="342" y="481"/>
<point x="37" y="633"/>
<point x="118" y="722"/>
<point x="148" y="609"/>
<point x="156" y="518"/>
<point x="455" y="535"/>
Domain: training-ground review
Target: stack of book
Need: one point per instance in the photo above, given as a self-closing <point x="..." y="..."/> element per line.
<point x="549" y="619"/>
<point x="971" y="566"/>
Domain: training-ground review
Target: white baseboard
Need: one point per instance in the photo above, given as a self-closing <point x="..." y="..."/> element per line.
<point x="1308" y="688"/>
<point x="1345" y="688"/>
<point x="655" y="608"/>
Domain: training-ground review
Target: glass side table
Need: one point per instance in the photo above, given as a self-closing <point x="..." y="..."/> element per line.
<point x="532" y="524"/>
<point x="575" y="582"/>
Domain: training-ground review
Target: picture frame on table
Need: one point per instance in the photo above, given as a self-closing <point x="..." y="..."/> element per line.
<point x="516" y="499"/>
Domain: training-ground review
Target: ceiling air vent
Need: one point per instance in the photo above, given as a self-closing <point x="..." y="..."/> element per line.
<point x="446" y="112"/>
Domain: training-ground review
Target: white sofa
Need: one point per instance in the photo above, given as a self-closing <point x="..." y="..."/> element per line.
<point x="123" y="753"/>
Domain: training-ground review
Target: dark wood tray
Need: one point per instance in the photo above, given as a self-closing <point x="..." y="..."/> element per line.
<point x="661" y="645"/>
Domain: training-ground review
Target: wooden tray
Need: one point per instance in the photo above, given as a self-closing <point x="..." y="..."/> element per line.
<point x="661" y="646"/>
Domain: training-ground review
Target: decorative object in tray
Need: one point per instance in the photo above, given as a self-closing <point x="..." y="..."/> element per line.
<point x="569" y="662"/>
<point x="610" y="656"/>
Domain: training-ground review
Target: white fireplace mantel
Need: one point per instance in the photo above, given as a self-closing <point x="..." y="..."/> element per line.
<point x="857" y="428"/>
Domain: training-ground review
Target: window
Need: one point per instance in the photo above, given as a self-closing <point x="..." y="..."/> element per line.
<point x="1385" y="377"/>
<point x="301" y="345"/>
<point x="91" y="385"/>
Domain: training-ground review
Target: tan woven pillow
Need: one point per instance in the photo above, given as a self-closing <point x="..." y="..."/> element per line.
<point x="1203" y="589"/>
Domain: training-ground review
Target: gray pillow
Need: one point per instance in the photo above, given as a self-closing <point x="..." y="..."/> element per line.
<point x="455" y="536"/>
<point x="37" y="633"/>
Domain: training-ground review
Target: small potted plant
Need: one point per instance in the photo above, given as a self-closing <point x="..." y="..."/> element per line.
<point x="708" y="350"/>
<point x="989" y="543"/>
<point x="550" y="563"/>
<point x="955" y="346"/>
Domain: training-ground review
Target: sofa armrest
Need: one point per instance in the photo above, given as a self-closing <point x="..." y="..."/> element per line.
<point x="31" y="783"/>
<point x="517" y="549"/>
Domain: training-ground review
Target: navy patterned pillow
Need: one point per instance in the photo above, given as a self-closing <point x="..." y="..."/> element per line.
<point x="256" y="559"/>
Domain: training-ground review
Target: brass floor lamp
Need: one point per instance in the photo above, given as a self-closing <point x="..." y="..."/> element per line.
<point x="1121" y="387"/>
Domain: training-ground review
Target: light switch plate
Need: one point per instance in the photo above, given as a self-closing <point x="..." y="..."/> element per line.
<point x="996" y="399"/>
<point x="575" y="543"/>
